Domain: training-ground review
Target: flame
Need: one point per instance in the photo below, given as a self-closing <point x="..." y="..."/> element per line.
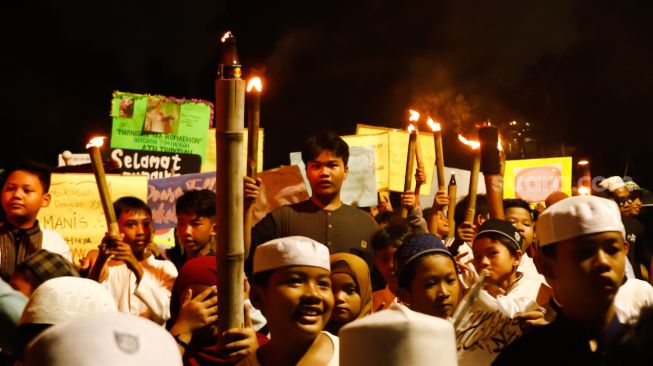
<point x="473" y="144"/>
<point x="583" y="162"/>
<point x="96" y="142"/>
<point x="411" y="128"/>
<point x="499" y="146"/>
<point x="254" y="83"/>
<point x="584" y="191"/>
<point x="226" y="36"/>
<point x="414" y="115"/>
<point x="435" y="126"/>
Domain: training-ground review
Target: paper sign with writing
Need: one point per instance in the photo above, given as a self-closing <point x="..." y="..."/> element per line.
<point x="462" y="186"/>
<point x="279" y="187"/>
<point x="75" y="210"/>
<point x="209" y="163"/>
<point x="534" y="179"/>
<point x="397" y="151"/>
<point x="359" y="188"/>
<point x="157" y="123"/>
<point x="154" y="164"/>
<point x="162" y="195"/>
<point x="379" y="142"/>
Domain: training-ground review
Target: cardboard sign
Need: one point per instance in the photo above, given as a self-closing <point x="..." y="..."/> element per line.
<point x="162" y="195"/>
<point x="75" y="210"/>
<point x="209" y="163"/>
<point x="157" y="123"/>
<point x="534" y="179"/>
<point x="397" y="152"/>
<point x="155" y="164"/>
<point x="359" y="188"/>
<point x="279" y="187"/>
<point x="462" y="186"/>
<point x="378" y="142"/>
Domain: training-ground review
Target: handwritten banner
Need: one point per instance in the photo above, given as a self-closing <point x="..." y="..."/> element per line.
<point x="155" y="164"/>
<point x="379" y="142"/>
<point x="397" y="151"/>
<point x="534" y="179"/>
<point x="75" y="210"/>
<point x="157" y="123"/>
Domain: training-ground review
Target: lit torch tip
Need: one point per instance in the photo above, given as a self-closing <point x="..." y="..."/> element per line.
<point x="95" y="142"/>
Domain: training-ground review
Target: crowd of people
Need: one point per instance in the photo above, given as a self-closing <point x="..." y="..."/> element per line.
<point x="328" y="283"/>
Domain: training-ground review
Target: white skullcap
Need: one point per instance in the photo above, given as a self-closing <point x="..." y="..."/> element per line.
<point x="578" y="216"/>
<point x="64" y="298"/>
<point x="612" y="183"/>
<point x="104" y="339"/>
<point x="291" y="251"/>
<point x="398" y="336"/>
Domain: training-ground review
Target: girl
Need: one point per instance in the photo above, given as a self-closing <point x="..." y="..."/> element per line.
<point x="352" y="290"/>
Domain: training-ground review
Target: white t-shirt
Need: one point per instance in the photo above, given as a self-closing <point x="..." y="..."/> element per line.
<point x="252" y="359"/>
<point x="55" y="243"/>
<point x="631" y="298"/>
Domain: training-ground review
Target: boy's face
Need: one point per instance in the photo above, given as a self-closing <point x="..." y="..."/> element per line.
<point x="443" y="224"/>
<point x="347" y="298"/>
<point x="383" y="262"/>
<point x="435" y="289"/>
<point x="326" y="173"/>
<point x="23" y="197"/>
<point x="492" y="255"/>
<point x="522" y="221"/>
<point x="194" y="232"/>
<point x="587" y="271"/>
<point x="297" y="301"/>
<point x="137" y="229"/>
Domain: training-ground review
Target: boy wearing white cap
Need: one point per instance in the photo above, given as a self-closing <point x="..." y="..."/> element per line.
<point x="582" y="255"/>
<point x="291" y="285"/>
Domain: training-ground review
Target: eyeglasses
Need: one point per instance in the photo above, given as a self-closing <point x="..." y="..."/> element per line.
<point x="622" y="201"/>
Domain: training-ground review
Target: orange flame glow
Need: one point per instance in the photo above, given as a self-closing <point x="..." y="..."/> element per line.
<point x="435" y="126"/>
<point x="499" y="146"/>
<point x="583" y="162"/>
<point x="254" y="83"/>
<point x="226" y="36"/>
<point x="96" y="142"/>
<point x="414" y="115"/>
<point x="473" y="144"/>
<point x="584" y="191"/>
<point x="411" y="128"/>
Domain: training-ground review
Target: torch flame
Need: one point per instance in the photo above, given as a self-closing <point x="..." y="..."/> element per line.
<point x="414" y="115"/>
<point x="411" y="128"/>
<point x="583" y="162"/>
<point x="435" y="126"/>
<point x="254" y="83"/>
<point x="473" y="144"/>
<point x="499" y="146"/>
<point x="583" y="191"/>
<point x="96" y="142"/>
<point x="226" y="36"/>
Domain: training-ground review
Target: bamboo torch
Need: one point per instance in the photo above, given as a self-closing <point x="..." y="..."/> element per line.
<point x="453" y="190"/>
<point x="253" y="107"/>
<point x="230" y="98"/>
<point x="410" y="159"/>
<point x="473" y="178"/>
<point x="439" y="155"/>
<point x="101" y="180"/>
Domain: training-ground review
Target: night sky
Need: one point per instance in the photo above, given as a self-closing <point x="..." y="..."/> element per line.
<point x="579" y="70"/>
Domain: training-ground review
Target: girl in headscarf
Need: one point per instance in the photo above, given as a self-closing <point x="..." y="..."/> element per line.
<point x="194" y="315"/>
<point x="352" y="290"/>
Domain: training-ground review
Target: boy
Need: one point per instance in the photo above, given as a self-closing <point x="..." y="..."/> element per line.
<point x="140" y="284"/>
<point x="385" y="243"/>
<point x="195" y="226"/>
<point x="292" y="286"/>
<point x="582" y="254"/>
<point x="520" y="215"/>
<point x="24" y="193"/>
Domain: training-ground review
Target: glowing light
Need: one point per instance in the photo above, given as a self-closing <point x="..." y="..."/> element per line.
<point x="473" y="144"/>
<point x="255" y="83"/>
<point x="414" y="115"/>
<point x="435" y="126"/>
<point x="499" y="146"/>
<point x="226" y="36"/>
<point x="583" y="162"/>
<point x="584" y="191"/>
<point x="411" y="128"/>
<point x="96" y="142"/>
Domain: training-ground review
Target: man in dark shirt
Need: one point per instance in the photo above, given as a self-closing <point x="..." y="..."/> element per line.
<point x="323" y="217"/>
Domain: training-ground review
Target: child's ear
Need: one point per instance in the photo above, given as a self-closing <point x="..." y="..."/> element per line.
<point x="46" y="200"/>
<point x="517" y="258"/>
<point x="214" y="229"/>
<point x="256" y="296"/>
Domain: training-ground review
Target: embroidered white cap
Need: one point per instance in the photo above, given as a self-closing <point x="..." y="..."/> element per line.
<point x="290" y="251"/>
<point x="64" y="298"/>
<point x="398" y="336"/>
<point x="612" y="183"/>
<point x="104" y="339"/>
<point x="577" y="216"/>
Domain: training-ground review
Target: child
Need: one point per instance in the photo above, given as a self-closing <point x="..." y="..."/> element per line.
<point x="292" y="286"/>
<point x="194" y="312"/>
<point x="428" y="276"/>
<point x="497" y="249"/>
<point x="520" y="215"/>
<point x="195" y="226"/>
<point x="24" y="193"/>
<point x="385" y="243"/>
<point x="352" y="290"/>
<point x="139" y="283"/>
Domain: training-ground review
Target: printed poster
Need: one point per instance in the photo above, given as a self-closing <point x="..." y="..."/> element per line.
<point x="534" y="179"/>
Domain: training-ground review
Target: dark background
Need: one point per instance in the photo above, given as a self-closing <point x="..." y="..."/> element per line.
<point x="578" y="70"/>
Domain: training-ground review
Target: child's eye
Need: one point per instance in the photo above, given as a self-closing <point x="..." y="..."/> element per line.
<point x="324" y="284"/>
